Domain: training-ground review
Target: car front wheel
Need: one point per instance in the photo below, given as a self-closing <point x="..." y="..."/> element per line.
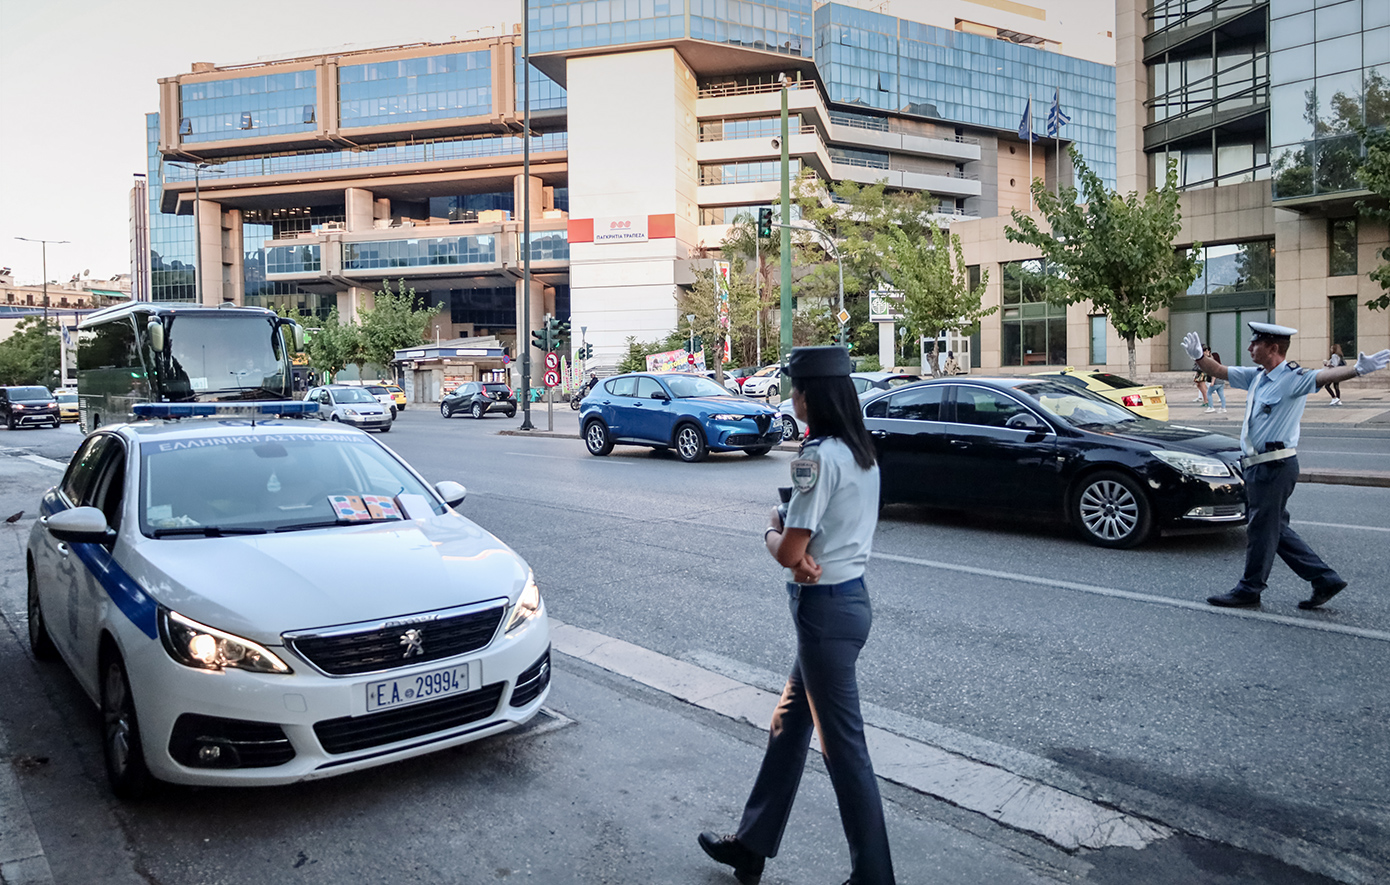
<point x="597" y="439"/>
<point x="788" y="429"/>
<point x="1110" y="510"/>
<point x="446" y="410"/>
<point x="690" y="443"/>
<point x="121" y="746"/>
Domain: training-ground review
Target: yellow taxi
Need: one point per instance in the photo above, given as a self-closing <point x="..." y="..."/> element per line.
<point x="1148" y="400"/>
<point x="397" y="394"/>
<point x="67" y="404"/>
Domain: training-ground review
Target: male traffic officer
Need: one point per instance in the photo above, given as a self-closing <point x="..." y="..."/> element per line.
<point x="1269" y="442"/>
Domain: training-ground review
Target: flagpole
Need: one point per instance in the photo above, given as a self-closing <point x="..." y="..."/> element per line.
<point x="1030" y="150"/>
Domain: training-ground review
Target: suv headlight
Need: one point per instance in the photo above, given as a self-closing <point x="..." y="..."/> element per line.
<point x="1193" y="465"/>
<point x="727" y="417"/>
<point x="203" y="648"/>
<point x="527" y="606"/>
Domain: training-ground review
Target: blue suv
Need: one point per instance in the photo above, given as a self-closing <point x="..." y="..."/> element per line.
<point x="689" y="413"/>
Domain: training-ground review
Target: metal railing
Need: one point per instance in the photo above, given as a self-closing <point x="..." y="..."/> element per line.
<point x="776" y="132"/>
<point x="874" y="124"/>
<point x="718" y="91"/>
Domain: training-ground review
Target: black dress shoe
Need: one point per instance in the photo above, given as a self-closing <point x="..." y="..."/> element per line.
<point x="748" y="867"/>
<point x="1321" y="596"/>
<point x="1236" y="599"/>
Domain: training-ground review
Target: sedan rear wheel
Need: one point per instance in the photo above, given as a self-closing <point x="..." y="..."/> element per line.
<point x="1111" y="510"/>
<point x="690" y="443"/>
<point x="788" y="429"/>
<point x="121" y="747"/>
<point x="597" y="439"/>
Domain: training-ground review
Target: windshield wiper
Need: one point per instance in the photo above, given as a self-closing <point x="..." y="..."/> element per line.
<point x="301" y="526"/>
<point x="207" y="531"/>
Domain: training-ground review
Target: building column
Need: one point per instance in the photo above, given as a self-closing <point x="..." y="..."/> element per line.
<point x="523" y="336"/>
<point x="353" y="301"/>
<point x="234" y="258"/>
<point x="209" y="251"/>
<point x="518" y="200"/>
<point x="361" y="209"/>
<point x="887" y="345"/>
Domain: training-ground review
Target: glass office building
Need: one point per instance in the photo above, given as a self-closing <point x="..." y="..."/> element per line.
<point x="172" y="244"/>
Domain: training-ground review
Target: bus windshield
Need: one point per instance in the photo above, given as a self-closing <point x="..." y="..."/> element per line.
<point x="222" y="357"/>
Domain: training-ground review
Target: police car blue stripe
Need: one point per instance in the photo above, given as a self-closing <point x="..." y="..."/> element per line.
<point x="118" y="584"/>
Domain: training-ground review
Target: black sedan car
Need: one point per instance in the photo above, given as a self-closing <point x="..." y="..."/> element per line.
<point x="1030" y="445"/>
<point x="477" y="398"/>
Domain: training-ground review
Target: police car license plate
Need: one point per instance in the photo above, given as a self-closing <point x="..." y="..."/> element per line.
<point x="414" y="689"/>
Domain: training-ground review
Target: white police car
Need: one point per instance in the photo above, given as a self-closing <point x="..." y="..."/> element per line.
<point x="254" y="600"/>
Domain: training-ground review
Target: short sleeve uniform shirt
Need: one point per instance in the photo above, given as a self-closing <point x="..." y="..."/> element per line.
<point x="1275" y="405"/>
<point x="837" y="501"/>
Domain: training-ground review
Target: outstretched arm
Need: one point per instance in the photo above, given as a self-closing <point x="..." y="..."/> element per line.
<point x="1364" y="365"/>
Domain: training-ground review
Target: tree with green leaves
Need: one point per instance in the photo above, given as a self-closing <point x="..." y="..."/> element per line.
<point x="330" y="344"/>
<point x="30" y="354"/>
<point x="397" y="320"/>
<point x="702" y="302"/>
<point x="1115" y="252"/>
<point x="1374" y="174"/>
<point x="935" y="282"/>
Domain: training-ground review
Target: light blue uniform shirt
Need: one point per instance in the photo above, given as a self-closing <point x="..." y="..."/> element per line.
<point x="837" y="500"/>
<point x="1275" y="404"/>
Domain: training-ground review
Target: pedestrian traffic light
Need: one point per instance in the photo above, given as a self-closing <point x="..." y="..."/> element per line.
<point x="765" y="222"/>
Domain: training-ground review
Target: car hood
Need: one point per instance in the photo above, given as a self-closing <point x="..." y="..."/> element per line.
<point x="735" y="405"/>
<point x="259" y="586"/>
<point x="1161" y="434"/>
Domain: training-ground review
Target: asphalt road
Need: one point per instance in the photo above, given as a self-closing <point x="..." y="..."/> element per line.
<point x="1259" y="738"/>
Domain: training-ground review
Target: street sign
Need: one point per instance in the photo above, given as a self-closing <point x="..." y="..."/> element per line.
<point x="842" y="316"/>
<point x="552" y="360"/>
<point x="552" y="377"/>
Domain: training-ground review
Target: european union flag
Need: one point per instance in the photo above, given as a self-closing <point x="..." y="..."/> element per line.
<point x="1025" y="125"/>
<point x="1055" y="118"/>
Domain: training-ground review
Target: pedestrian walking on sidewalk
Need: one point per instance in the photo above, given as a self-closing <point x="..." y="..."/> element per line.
<point x="1333" y="388"/>
<point x="1217" y="388"/>
<point x="1278" y="390"/>
<point x="1200" y="379"/>
<point x="823" y="543"/>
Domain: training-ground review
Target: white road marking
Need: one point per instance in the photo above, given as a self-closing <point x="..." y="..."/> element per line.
<point x="1338" y="525"/>
<point x="1061" y="818"/>
<point x="1306" y="624"/>
<point x="46" y="462"/>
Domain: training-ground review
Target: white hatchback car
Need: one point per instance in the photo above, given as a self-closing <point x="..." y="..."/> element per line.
<point x="350" y="405"/>
<point x="269" y="601"/>
<point x="764" y="382"/>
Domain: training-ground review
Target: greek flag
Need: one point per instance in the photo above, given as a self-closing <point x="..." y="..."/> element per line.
<point x="1025" y="125"/>
<point x="1055" y="118"/>
<point x="63" y="330"/>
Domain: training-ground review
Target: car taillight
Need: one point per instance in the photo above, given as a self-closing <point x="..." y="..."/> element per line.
<point x="509" y="393"/>
<point x="1133" y="399"/>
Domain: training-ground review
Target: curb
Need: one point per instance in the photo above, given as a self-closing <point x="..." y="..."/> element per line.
<point x="555" y="434"/>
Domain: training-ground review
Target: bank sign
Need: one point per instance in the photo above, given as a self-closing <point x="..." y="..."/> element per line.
<point x="885" y="305"/>
<point x="624" y="229"/>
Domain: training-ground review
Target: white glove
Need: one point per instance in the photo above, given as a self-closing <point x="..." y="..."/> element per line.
<point x="1373" y="363"/>
<point x="1192" y="343"/>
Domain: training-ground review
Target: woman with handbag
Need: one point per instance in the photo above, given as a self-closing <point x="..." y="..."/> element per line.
<point x="1336" y="359"/>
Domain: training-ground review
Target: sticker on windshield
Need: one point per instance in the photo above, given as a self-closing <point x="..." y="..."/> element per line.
<point x="805" y="472"/>
<point x="349" y="508"/>
<point x="381" y="507"/>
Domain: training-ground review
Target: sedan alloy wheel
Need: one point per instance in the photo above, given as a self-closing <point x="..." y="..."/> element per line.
<point x="124" y="755"/>
<point x="788" y="429"/>
<point x="1111" y="510"/>
<point x="597" y="439"/>
<point x="690" y="443"/>
<point x="446" y="410"/>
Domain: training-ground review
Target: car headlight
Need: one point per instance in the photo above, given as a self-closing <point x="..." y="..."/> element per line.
<point x="1193" y="465"/>
<point x="727" y="417"/>
<point x="352" y="412"/>
<point x="527" y="606"/>
<point x="203" y="648"/>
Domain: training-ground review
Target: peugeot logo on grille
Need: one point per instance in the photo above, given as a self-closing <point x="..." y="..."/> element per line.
<point x="414" y="642"/>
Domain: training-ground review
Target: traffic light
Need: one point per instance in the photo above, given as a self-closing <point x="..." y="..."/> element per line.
<point x="540" y="338"/>
<point x="587" y="352"/>
<point x="765" y="222"/>
<point x="558" y="330"/>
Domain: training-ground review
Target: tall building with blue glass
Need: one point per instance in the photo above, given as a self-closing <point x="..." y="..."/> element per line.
<point x="652" y="122"/>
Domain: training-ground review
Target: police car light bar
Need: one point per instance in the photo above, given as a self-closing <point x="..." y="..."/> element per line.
<point x="225" y="410"/>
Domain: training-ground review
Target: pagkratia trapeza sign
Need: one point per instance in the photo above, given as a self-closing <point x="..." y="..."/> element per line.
<point x="621" y="229"/>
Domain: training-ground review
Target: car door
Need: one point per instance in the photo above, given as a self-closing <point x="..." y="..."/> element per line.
<point x="995" y="463"/>
<point x="651" y="411"/>
<point x="103" y="587"/>
<point x="615" y="404"/>
<point x="909" y="433"/>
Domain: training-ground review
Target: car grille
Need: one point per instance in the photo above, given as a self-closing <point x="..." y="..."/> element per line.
<point x="368" y="651"/>
<point x="532" y="681"/>
<point x="763" y="422"/>
<point x="352" y="733"/>
<point x="754" y="439"/>
<point x="229" y="743"/>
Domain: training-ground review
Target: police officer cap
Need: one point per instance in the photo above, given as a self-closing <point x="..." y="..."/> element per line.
<point x="830" y="361"/>
<point x="1270" y="330"/>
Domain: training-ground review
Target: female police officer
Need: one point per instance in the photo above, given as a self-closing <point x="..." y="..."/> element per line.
<point x="824" y="546"/>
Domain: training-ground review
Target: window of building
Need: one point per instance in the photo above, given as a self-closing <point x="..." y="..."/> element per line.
<point x="1098" y="354"/>
<point x="1033" y="331"/>
<point x="1341" y="254"/>
<point x="1342" y="316"/>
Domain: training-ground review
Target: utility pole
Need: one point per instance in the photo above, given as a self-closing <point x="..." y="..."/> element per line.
<point x="523" y="336"/>
<point x="44" y="250"/>
<point x="786" y="300"/>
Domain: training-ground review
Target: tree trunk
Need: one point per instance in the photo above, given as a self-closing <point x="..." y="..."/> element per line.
<point x="1129" y="344"/>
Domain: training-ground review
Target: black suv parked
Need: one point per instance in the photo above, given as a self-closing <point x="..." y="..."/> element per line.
<point x="28" y="407"/>
<point x="477" y="398"/>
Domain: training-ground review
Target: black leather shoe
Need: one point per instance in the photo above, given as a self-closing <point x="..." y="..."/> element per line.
<point x="1235" y="599"/>
<point x="748" y="867"/>
<point x="1321" y="596"/>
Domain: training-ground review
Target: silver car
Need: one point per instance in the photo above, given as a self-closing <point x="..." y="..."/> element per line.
<point x="865" y="383"/>
<point x="350" y="405"/>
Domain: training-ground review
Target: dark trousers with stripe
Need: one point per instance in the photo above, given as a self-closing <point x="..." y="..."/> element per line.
<point x="1268" y="487"/>
<point x="822" y="694"/>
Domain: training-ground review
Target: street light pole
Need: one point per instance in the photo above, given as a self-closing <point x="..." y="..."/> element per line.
<point x="44" y="252"/>
<point x="690" y="318"/>
<point x="523" y="336"/>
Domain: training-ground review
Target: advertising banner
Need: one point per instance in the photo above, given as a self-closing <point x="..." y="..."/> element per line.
<point x="676" y="361"/>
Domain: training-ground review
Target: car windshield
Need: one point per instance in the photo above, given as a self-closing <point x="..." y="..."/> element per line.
<point x="378" y="391"/>
<point x="1077" y="407"/>
<point x="496" y="388"/>
<point x="28" y="394"/>
<point x="67" y="397"/>
<point x="1114" y="381"/>
<point x="764" y="371"/>
<point x="238" y="484"/>
<point x="685" y="386"/>
<point x="900" y="380"/>
<point x="212" y="357"/>
<point x="353" y="395"/>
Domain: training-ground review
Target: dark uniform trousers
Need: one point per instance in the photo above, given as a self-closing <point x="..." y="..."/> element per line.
<point x="1267" y="490"/>
<point x="832" y="623"/>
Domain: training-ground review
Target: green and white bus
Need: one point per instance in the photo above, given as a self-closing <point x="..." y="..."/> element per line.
<point x="180" y="353"/>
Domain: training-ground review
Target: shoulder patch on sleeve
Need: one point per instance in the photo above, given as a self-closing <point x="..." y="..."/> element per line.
<point x="805" y="472"/>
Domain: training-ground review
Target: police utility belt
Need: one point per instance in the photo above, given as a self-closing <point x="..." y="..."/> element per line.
<point x="1272" y="452"/>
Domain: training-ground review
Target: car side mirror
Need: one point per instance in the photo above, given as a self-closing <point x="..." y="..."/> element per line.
<point x="660" y="396"/>
<point x="1025" y="421"/>
<point x="453" y="493"/>
<point x="80" y="525"/>
<point x="154" y="329"/>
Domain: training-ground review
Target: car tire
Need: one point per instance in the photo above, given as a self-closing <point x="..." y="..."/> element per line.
<point x="511" y="413"/>
<point x="597" y="439"/>
<point x="121" y="747"/>
<point x="9" y="422"/>
<point x="393" y="413"/>
<point x="386" y="429"/>
<point x="477" y="411"/>
<point x="758" y="452"/>
<point x="788" y="429"/>
<point x="334" y="418"/>
<point x="40" y="643"/>
<point x="1109" y="509"/>
<point x="446" y="410"/>
<point x="690" y="443"/>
